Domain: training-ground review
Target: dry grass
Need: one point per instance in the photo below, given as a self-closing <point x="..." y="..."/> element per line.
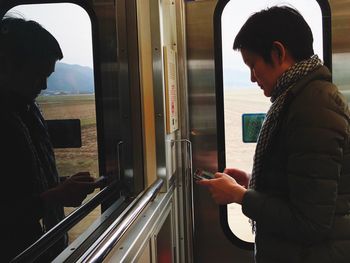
<point x="73" y="160"/>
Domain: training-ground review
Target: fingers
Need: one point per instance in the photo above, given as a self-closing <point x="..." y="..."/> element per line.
<point x="85" y="177"/>
<point x="81" y="174"/>
<point x="207" y="182"/>
<point x="232" y="171"/>
<point x="94" y="183"/>
<point x="240" y="176"/>
<point x="85" y="183"/>
<point x="219" y="175"/>
<point x="204" y="182"/>
<point x="81" y="183"/>
<point x="77" y="187"/>
<point x="82" y="177"/>
<point x="224" y="177"/>
<point x="235" y="173"/>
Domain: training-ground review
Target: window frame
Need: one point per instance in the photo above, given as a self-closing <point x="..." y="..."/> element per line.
<point x="119" y="190"/>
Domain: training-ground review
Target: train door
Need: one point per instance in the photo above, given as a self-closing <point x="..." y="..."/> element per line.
<point x="220" y="92"/>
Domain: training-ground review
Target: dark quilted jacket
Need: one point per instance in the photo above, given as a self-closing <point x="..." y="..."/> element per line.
<point x="303" y="208"/>
<point x="28" y="168"/>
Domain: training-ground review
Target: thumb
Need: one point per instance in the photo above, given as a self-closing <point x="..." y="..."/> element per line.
<point x="218" y="175"/>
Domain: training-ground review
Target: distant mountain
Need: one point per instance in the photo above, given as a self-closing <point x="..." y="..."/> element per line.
<point x="70" y="79"/>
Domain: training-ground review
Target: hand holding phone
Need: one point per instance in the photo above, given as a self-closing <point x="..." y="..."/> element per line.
<point x="200" y="175"/>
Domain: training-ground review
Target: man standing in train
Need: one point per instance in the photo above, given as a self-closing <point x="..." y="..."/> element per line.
<point x="298" y="196"/>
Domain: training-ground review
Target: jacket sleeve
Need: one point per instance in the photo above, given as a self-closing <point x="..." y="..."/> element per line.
<point x="318" y="130"/>
<point x="20" y="189"/>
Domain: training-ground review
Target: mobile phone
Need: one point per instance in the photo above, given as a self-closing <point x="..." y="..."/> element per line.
<point x="101" y="180"/>
<point x="200" y="175"/>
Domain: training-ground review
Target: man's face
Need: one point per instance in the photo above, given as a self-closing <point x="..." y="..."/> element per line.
<point x="264" y="74"/>
<point x="31" y="78"/>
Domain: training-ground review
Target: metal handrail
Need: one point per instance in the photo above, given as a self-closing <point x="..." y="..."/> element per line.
<point x="111" y="236"/>
<point x="53" y="235"/>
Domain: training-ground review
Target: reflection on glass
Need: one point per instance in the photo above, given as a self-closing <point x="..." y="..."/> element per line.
<point x="70" y="92"/>
<point x="341" y="76"/>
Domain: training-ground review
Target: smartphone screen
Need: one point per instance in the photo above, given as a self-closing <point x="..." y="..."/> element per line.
<point x="200" y="174"/>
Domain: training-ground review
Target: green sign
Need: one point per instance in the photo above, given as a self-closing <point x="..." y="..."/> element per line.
<point x="251" y="125"/>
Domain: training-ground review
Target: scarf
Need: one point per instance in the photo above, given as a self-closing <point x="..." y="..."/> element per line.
<point x="273" y="117"/>
<point x="31" y="122"/>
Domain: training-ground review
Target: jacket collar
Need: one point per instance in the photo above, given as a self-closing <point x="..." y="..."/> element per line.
<point x="321" y="73"/>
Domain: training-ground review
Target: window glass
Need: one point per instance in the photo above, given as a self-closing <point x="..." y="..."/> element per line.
<point x="242" y="96"/>
<point x="341" y="46"/>
<point x="341" y="77"/>
<point x="70" y="92"/>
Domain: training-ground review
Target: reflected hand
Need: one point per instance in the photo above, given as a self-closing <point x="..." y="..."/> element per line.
<point x="224" y="189"/>
<point x="240" y="176"/>
<point x="72" y="191"/>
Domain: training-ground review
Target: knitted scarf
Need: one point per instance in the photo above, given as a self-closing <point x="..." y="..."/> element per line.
<point x="273" y="116"/>
<point x="284" y="84"/>
<point x="32" y="124"/>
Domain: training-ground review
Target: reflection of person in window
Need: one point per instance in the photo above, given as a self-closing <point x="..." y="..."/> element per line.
<point x="299" y="192"/>
<point x="30" y="192"/>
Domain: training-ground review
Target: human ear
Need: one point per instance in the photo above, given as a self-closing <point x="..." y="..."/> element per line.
<point x="278" y="52"/>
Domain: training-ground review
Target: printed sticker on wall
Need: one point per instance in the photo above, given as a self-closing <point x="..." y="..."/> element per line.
<point x="251" y="125"/>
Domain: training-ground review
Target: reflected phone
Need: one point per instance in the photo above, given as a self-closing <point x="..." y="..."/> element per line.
<point x="101" y="181"/>
<point x="200" y="175"/>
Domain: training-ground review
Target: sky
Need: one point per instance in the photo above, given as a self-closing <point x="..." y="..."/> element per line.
<point x="69" y="23"/>
<point x="235" y="13"/>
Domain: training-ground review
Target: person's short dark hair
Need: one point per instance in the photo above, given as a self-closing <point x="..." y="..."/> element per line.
<point x="26" y="41"/>
<point x="278" y="23"/>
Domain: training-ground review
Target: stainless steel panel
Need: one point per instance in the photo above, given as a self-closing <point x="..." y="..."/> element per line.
<point x="118" y="96"/>
<point x="209" y="239"/>
<point x="107" y="241"/>
<point x="184" y="196"/>
<point x="142" y="232"/>
<point x="159" y="106"/>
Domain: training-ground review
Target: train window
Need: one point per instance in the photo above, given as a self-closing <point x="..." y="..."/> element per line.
<point x="70" y="92"/>
<point x="95" y="92"/>
<point x="241" y="96"/>
<point x="341" y="48"/>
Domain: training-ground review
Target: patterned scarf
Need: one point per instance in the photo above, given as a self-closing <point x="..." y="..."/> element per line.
<point x="273" y="117"/>
<point x="284" y="84"/>
<point x="32" y="124"/>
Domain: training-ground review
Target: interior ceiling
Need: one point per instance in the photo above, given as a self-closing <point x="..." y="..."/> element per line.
<point x="340" y="25"/>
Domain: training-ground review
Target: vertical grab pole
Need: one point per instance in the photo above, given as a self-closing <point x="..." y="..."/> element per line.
<point x="119" y="144"/>
<point x="190" y="177"/>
